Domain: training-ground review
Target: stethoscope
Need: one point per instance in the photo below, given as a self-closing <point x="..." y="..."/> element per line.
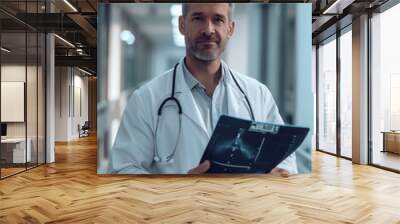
<point x="169" y="158"/>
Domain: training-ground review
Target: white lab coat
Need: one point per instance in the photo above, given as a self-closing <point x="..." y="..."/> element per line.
<point x="134" y="149"/>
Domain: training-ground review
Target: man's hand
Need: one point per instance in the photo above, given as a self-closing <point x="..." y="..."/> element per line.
<point x="279" y="172"/>
<point x="200" y="169"/>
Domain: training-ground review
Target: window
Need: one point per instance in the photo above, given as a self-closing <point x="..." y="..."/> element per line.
<point x="327" y="96"/>
<point x="385" y="88"/>
<point x="346" y="93"/>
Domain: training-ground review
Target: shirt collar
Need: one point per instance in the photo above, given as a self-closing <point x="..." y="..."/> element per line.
<point x="192" y="82"/>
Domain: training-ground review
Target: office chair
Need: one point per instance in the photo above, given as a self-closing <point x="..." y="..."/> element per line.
<point x="84" y="130"/>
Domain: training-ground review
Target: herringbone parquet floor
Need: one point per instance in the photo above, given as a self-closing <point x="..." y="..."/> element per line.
<point x="70" y="191"/>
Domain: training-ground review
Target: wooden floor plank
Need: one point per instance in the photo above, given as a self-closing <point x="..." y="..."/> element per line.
<point x="70" y="191"/>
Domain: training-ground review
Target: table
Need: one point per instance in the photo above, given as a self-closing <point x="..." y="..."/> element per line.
<point x="391" y="141"/>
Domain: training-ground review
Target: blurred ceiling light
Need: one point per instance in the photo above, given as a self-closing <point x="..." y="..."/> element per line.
<point x="179" y="40"/>
<point x="337" y="7"/>
<point x="70" y="5"/>
<point x="65" y="41"/>
<point x="127" y="36"/>
<point x="79" y="51"/>
<point x="175" y="21"/>
<point x="84" y="71"/>
<point x="5" y="50"/>
<point x="176" y="10"/>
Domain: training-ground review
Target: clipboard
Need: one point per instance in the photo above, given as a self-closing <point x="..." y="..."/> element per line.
<point x="244" y="146"/>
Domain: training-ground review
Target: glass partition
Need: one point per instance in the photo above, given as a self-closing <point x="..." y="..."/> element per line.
<point x="385" y="89"/>
<point x="14" y="153"/>
<point x="22" y="90"/>
<point x="327" y="96"/>
<point x="31" y="98"/>
<point x="346" y="93"/>
<point x="41" y="91"/>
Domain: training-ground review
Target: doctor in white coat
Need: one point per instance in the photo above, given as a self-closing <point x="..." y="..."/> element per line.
<point x="203" y="88"/>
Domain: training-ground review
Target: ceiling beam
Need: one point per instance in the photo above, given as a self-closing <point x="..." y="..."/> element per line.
<point x="86" y="26"/>
<point x="337" y="6"/>
<point x="83" y="61"/>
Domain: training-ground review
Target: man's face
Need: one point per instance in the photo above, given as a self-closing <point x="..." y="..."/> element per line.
<point x="207" y="28"/>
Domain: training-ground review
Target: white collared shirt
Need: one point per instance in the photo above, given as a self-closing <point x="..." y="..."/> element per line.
<point x="210" y="107"/>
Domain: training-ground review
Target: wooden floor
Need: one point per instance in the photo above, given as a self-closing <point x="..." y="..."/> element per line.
<point x="387" y="159"/>
<point x="70" y="191"/>
<point x="5" y="172"/>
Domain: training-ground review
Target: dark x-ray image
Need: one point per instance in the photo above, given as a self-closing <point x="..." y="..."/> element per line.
<point x="243" y="146"/>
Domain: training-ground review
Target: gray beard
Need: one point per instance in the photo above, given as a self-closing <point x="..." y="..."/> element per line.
<point x="198" y="54"/>
<point x="203" y="56"/>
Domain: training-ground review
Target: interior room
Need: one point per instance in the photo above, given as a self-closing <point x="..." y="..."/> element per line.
<point x="52" y="91"/>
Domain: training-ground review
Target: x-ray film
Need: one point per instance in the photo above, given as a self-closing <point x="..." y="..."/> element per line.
<point x="243" y="146"/>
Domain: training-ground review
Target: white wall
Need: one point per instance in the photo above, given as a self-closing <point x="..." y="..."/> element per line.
<point x="80" y="118"/>
<point x="236" y="52"/>
<point x="11" y="73"/>
<point x="61" y="103"/>
<point x="68" y="82"/>
<point x="33" y="126"/>
<point x="161" y="55"/>
<point x="17" y="73"/>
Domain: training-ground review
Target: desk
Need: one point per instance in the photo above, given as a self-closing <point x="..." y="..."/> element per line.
<point x="13" y="150"/>
<point x="391" y="141"/>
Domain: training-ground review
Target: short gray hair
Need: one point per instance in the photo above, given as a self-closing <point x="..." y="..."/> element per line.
<point x="185" y="9"/>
